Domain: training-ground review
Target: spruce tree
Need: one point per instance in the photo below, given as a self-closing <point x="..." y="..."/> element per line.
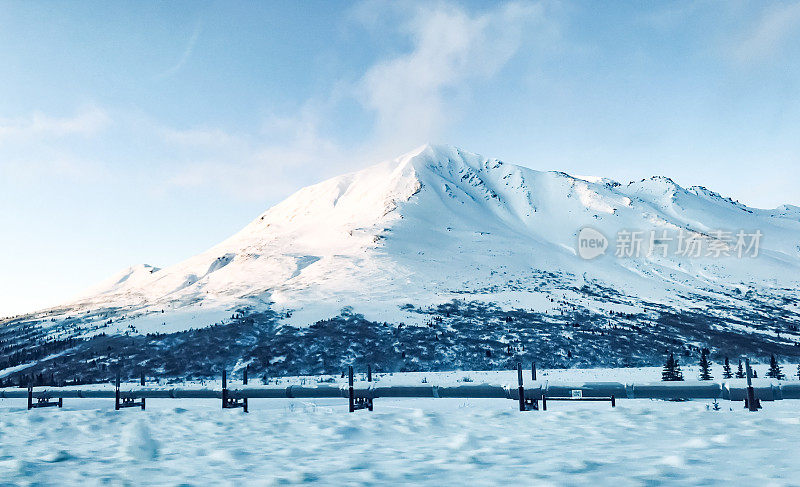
<point x="669" y="367"/>
<point x="775" y="371"/>
<point x="672" y="370"/>
<point x="798" y="371"/>
<point x="726" y="370"/>
<point x="740" y="371"/>
<point x="705" y="366"/>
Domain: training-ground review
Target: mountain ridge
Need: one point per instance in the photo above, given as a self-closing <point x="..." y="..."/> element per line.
<point x="436" y="260"/>
<point x="426" y="217"/>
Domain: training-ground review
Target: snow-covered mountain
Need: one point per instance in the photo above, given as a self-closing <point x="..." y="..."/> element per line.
<point x="482" y="255"/>
<point x="441" y="223"/>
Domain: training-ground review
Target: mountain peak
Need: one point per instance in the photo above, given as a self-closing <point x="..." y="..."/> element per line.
<point x="437" y="223"/>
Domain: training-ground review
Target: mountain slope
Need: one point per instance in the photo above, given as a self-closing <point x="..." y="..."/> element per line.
<point x="403" y="240"/>
<point x="441" y="220"/>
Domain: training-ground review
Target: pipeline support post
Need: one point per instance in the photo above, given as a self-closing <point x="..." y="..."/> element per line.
<point x="521" y="388"/>
<point x="224" y="389"/>
<point x="229" y="402"/>
<point x="356" y="403"/>
<point x="126" y="402"/>
<point x="42" y="401"/>
<point x="350" y="391"/>
<point x="751" y="402"/>
<point x="524" y="403"/>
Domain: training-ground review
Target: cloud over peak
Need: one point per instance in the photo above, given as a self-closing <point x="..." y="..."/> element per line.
<point x="451" y="48"/>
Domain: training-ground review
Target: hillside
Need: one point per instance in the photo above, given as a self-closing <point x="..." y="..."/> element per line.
<point x="421" y="238"/>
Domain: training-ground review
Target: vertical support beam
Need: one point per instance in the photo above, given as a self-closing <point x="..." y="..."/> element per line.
<point x="244" y="381"/>
<point x="116" y="392"/>
<point x="749" y="372"/>
<point x="521" y="387"/>
<point x="30" y="396"/>
<point x="613" y="401"/>
<point x="229" y="402"/>
<point x="752" y="405"/>
<point x="533" y="370"/>
<point x="369" y="373"/>
<point x="351" y="392"/>
<point x="544" y="402"/>
<point x="224" y="388"/>
<point x="141" y="383"/>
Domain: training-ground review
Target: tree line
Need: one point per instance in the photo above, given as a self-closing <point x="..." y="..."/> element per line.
<point x="672" y="369"/>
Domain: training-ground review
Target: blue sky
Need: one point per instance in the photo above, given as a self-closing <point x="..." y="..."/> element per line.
<point x="148" y="131"/>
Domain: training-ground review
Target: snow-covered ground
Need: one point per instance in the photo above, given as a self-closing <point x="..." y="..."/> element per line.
<point x="629" y="375"/>
<point x="405" y="441"/>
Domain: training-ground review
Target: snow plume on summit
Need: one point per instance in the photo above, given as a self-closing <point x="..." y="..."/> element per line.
<point x="440" y="224"/>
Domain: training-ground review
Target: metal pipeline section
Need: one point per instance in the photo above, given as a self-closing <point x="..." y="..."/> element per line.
<point x="732" y="390"/>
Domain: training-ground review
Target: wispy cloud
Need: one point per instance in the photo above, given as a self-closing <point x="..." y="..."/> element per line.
<point x="200" y="137"/>
<point x="284" y="154"/>
<point x="770" y="33"/>
<point x="44" y="146"/>
<point x="31" y="167"/>
<point x="187" y="53"/>
<point x="409" y="93"/>
<point x="87" y="122"/>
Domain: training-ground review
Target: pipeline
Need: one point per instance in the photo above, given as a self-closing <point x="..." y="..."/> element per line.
<point x="732" y="390"/>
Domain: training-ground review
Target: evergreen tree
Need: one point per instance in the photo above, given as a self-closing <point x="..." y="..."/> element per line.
<point x="798" y="371"/>
<point x="775" y="371"/>
<point x="666" y="371"/>
<point x="740" y="371"/>
<point x="755" y="373"/>
<point x="672" y="370"/>
<point x="705" y="366"/>
<point x="726" y="370"/>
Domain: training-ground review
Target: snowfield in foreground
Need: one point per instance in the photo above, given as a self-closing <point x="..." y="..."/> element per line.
<point x="403" y="442"/>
